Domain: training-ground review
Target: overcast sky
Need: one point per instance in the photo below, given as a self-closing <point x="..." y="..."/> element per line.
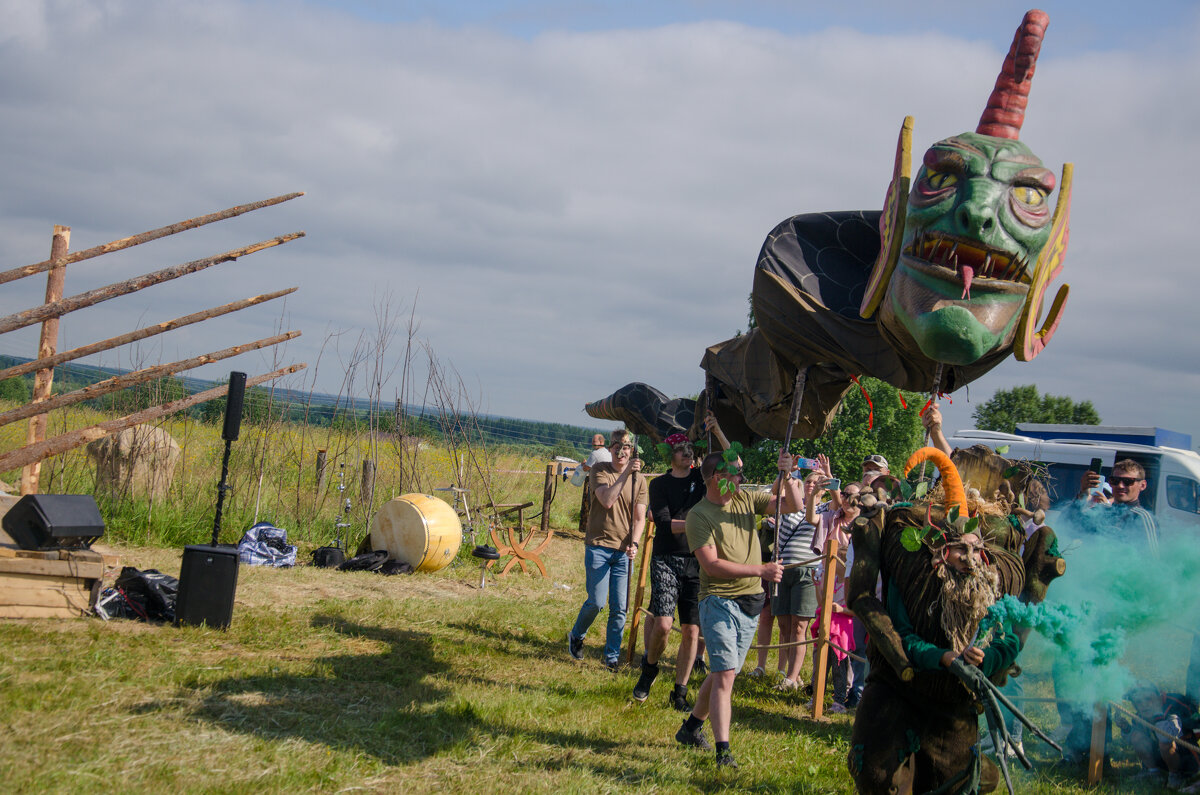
<point x="572" y="195"/>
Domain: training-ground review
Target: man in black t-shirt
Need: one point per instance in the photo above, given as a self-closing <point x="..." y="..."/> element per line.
<point x="674" y="573"/>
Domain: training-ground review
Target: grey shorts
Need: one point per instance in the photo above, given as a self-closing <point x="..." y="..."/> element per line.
<point x="797" y="595"/>
<point x="675" y="583"/>
<point x="728" y="633"/>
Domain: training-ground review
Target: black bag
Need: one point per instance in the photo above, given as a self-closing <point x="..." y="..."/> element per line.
<point x="396" y="567"/>
<point x="369" y="561"/>
<point x="751" y="604"/>
<point x="328" y="557"/>
<point x="149" y="595"/>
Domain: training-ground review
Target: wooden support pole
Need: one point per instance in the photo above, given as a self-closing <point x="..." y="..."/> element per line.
<point x="553" y="470"/>
<point x="140" y="334"/>
<point x="1095" y="765"/>
<point x="61" y="307"/>
<point x="647" y="546"/>
<point x="72" y="439"/>
<point x="43" y="380"/>
<point x="321" y="456"/>
<point x="144" y="237"/>
<point x="137" y="377"/>
<point x="821" y="653"/>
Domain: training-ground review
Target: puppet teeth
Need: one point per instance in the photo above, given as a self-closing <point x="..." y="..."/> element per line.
<point x="968" y="275"/>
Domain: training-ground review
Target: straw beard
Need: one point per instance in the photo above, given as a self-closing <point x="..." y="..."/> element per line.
<point x="965" y="599"/>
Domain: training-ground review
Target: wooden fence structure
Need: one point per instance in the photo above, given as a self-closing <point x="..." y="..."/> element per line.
<point x="37" y="447"/>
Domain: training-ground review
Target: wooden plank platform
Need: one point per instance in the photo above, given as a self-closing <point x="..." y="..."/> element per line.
<point x="53" y="584"/>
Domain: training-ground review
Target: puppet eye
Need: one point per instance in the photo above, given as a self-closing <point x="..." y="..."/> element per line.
<point x="940" y="180"/>
<point x="1029" y="195"/>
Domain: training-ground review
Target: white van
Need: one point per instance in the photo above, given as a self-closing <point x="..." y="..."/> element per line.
<point x="1172" y="474"/>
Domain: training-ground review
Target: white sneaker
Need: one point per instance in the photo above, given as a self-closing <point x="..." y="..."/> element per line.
<point x="836" y="709"/>
<point x="1014" y="746"/>
<point x="788" y="684"/>
<point x="758" y="673"/>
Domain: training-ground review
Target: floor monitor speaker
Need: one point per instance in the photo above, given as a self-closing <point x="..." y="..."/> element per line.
<point x="207" y="583"/>
<point x="54" y="521"/>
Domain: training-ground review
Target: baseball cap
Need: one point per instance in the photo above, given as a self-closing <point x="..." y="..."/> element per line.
<point x="876" y="460"/>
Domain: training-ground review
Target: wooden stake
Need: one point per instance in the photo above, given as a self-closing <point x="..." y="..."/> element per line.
<point x="140" y="334"/>
<point x="1095" y="767"/>
<point x="144" y="237"/>
<point x="58" y="308"/>
<point x="321" y="455"/>
<point x="821" y="655"/>
<point x="44" y="379"/>
<point x="73" y="439"/>
<point x="647" y="545"/>
<point x="137" y="377"/>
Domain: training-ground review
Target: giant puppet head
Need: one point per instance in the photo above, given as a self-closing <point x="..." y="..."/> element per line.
<point x="965" y="262"/>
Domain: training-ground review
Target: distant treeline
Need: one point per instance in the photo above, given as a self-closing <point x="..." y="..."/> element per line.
<point x="289" y="406"/>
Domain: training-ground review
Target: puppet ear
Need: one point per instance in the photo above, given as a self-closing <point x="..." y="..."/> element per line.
<point x="1029" y="343"/>
<point x="891" y="224"/>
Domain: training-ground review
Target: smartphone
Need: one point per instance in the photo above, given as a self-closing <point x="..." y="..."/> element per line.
<point x="1095" y="465"/>
<point x="807" y="463"/>
<point x="833" y="484"/>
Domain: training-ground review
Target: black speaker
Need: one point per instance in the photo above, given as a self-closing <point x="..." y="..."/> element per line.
<point x="54" y="521"/>
<point x="207" y="583"/>
<point x="233" y="406"/>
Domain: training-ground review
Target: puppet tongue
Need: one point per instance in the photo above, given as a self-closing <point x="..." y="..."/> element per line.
<point x="968" y="275"/>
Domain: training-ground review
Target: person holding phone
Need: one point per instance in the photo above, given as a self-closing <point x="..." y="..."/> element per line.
<point x="1124" y="518"/>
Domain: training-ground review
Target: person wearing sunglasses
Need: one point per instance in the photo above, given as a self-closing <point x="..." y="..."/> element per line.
<point x="1125" y="517"/>
<point x="722" y="534"/>
<point x="616" y="520"/>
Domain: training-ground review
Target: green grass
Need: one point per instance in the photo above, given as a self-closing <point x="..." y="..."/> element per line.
<point x="330" y="682"/>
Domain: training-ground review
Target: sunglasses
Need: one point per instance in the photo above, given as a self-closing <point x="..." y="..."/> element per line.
<point x="1123" y="481"/>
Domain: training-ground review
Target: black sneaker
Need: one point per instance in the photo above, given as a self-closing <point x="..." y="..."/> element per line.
<point x="725" y="759"/>
<point x="575" y="646"/>
<point x="678" y="699"/>
<point x="641" y="691"/>
<point x="692" y="739"/>
<point x="698" y="667"/>
<point x="612" y="665"/>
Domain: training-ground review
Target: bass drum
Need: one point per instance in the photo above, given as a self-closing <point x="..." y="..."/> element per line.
<point x="418" y="529"/>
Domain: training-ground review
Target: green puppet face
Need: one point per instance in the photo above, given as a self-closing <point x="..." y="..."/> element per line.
<point x="978" y="215"/>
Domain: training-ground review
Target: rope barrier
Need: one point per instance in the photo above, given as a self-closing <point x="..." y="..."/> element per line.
<point x="847" y="652"/>
<point x="1194" y="749"/>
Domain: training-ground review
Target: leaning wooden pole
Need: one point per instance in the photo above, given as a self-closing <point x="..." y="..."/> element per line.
<point x="138" y="377"/>
<point x="821" y="653"/>
<point x="144" y="237"/>
<point x="647" y="545"/>
<point x="43" y="381"/>
<point x="73" y="439"/>
<point x="140" y="334"/>
<point x="62" y="307"/>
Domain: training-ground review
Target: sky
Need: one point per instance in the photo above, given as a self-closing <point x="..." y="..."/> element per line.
<point x="566" y="197"/>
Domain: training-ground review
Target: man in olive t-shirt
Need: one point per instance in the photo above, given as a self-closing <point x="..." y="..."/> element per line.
<point x="722" y="533"/>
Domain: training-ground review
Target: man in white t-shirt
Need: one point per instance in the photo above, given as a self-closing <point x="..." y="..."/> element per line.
<point x="599" y="454"/>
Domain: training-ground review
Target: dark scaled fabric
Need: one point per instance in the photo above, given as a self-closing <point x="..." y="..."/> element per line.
<point x="645" y="411"/>
<point x="808" y="285"/>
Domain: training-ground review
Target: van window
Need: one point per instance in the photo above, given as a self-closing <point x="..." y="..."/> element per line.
<point x="1063" y="482"/>
<point x="1183" y="493"/>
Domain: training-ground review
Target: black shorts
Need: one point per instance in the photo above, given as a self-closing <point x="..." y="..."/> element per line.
<point x="675" y="583"/>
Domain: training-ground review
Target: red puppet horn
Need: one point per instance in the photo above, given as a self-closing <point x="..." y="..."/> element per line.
<point x="1005" y="111"/>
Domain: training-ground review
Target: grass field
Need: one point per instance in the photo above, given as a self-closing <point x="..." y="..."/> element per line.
<point x="337" y="682"/>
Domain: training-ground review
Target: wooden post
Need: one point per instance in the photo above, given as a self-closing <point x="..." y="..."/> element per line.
<point x="1095" y="767"/>
<point x="321" y="470"/>
<point x="821" y="653"/>
<point x="43" y="380"/>
<point x="367" y="490"/>
<point x="552" y="471"/>
<point x="647" y="545"/>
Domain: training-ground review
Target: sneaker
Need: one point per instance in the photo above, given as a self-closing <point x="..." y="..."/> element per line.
<point x="725" y="759"/>
<point x="788" y="684"/>
<point x="836" y="709"/>
<point x="1013" y="748"/>
<point x="698" y="667"/>
<point x="678" y="699"/>
<point x="575" y="646"/>
<point x="692" y="739"/>
<point x="853" y="700"/>
<point x="641" y="691"/>
<point x="612" y="665"/>
<point x="757" y="673"/>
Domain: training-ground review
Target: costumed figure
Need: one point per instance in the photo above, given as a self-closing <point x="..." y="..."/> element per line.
<point x="929" y="294"/>
<point x="940" y="645"/>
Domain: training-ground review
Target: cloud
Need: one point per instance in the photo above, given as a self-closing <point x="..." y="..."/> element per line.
<point x="575" y="209"/>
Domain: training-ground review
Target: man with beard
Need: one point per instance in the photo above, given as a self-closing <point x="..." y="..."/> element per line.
<point x="916" y="725"/>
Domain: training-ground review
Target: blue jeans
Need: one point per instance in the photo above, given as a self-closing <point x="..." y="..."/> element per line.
<point x="607" y="580"/>
<point x="858" y="670"/>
